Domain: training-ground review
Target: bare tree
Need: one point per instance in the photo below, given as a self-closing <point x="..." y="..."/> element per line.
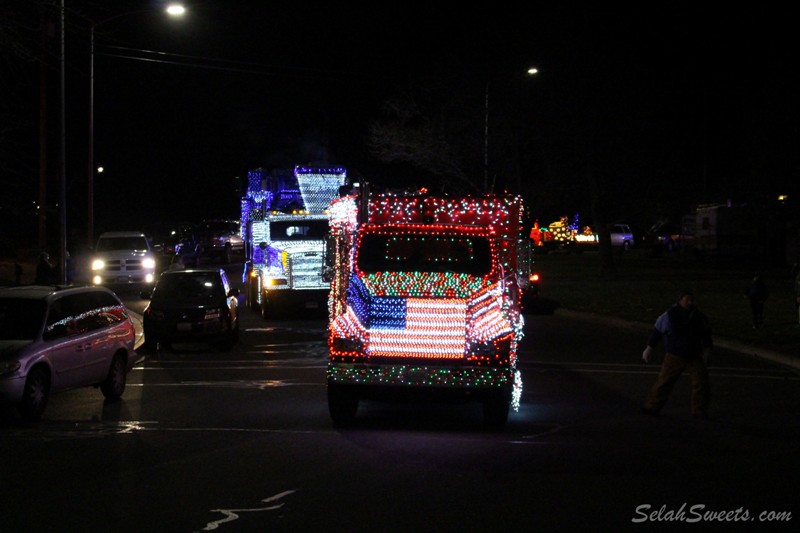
<point x="433" y="127"/>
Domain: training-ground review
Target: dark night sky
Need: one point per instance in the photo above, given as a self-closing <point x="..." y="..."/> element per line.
<point x="278" y="83"/>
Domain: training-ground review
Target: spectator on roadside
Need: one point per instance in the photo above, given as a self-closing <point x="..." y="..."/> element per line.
<point x="45" y="271"/>
<point x="687" y="341"/>
<point x="757" y="293"/>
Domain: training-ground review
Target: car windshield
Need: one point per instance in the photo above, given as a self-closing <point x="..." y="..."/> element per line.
<point x="424" y="253"/>
<point x="107" y="244"/>
<point x="298" y="230"/>
<point x="21" y="318"/>
<point x="188" y="285"/>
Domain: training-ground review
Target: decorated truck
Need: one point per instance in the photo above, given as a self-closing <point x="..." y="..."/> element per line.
<point x="425" y="300"/>
<point x="284" y="226"/>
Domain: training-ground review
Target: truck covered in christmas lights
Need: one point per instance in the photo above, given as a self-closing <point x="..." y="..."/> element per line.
<point x="284" y="225"/>
<point x="425" y="300"/>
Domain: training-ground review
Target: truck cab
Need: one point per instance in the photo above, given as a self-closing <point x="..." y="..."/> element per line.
<point x="123" y="258"/>
<point x="425" y="300"/>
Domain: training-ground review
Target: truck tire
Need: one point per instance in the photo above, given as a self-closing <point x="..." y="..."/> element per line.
<point x="342" y="403"/>
<point x="496" y="407"/>
<point x="252" y="295"/>
<point x="266" y="311"/>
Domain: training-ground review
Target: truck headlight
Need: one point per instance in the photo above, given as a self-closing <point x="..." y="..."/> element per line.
<point x="482" y="349"/>
<point x="345" y="344"/>
<point x="98" y="264"/>
<point x="148" y="263"/>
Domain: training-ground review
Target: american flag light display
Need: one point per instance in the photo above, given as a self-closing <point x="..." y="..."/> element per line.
<point x="440" y="323"/>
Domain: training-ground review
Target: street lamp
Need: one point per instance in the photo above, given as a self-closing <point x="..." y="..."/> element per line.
<point x="532" y="71"/>
<point x="173" y="10"/>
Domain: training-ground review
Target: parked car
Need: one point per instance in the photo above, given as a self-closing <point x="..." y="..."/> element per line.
<point x="191" y="305"/>
<point x="122" y="258"/>
<point x="621" y="236"/>
<point x="166" y="238"/>
<point x="220" y="239"/>
<point x="670" y="236"/>
<point x="58" y="338"/>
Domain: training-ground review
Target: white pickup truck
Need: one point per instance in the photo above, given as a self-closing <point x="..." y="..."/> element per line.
<point x="121" y="258"/>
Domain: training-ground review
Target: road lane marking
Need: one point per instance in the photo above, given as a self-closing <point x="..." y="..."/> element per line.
<point x="232" y="514"/>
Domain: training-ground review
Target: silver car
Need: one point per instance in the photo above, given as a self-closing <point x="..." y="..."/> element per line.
<point x="621" y="236"/>
<point x="54" y="339"/>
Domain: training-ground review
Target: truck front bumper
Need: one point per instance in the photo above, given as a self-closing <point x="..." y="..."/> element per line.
<point x="413" y="375"/>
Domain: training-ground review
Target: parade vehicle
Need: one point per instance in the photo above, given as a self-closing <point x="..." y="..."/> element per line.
<point x="425" y="300"/>
<point x="285" y="227"/>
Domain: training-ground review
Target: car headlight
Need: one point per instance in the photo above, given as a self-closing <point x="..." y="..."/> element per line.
<point x="149" y="262"/>
<point x="275" y="281"/>
<point x="98" y="264"/>
<point x="8" y="367"/>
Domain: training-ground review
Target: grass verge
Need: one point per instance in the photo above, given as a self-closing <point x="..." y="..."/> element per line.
<point x="641" y="285"/>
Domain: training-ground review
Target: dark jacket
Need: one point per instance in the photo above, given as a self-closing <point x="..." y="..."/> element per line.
<point x="686" y="332"/>
<point x="45" y="273"/>
<point x="757" y="291"/>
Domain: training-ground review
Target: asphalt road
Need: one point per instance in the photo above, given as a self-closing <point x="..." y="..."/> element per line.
<point x="242" y="441"/>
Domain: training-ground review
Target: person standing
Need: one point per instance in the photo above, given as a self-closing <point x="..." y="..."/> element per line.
<point x="45" y="271"/>
<point x="687" y="340"/>
<point x="757" y="293"/>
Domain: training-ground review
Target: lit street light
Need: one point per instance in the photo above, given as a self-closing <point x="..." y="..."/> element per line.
<point x="174" y="10"/>
<point x="532" y="71"/>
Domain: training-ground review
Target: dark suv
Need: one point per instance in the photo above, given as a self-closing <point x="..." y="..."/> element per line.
<point x="220" y="239"/>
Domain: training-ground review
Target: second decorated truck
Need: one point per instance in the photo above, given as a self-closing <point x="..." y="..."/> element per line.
<point x="284" y="226"/>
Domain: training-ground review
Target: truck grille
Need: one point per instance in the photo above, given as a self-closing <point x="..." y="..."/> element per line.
<point x="306" y="270"/>
<point x="127" y="265"/>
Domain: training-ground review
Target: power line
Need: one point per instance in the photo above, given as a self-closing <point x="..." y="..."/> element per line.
<point x="243" y="67"/>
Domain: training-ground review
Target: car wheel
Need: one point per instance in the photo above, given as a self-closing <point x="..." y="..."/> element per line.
<point x="496" y="408"/>
<point x="35" y="394"/>
<point x="342" y="403"/>
<point x="114" y="385"/>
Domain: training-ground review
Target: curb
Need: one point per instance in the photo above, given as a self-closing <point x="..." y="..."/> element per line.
<point x="781" y="359"/>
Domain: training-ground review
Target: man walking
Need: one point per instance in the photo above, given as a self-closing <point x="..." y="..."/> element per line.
<point x="687" y="341"/>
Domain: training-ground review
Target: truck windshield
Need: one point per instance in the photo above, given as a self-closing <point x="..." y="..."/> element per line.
<point x="298" y="230"/>
<point x="424" y="253"/>
<point x="121" y="243"/>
